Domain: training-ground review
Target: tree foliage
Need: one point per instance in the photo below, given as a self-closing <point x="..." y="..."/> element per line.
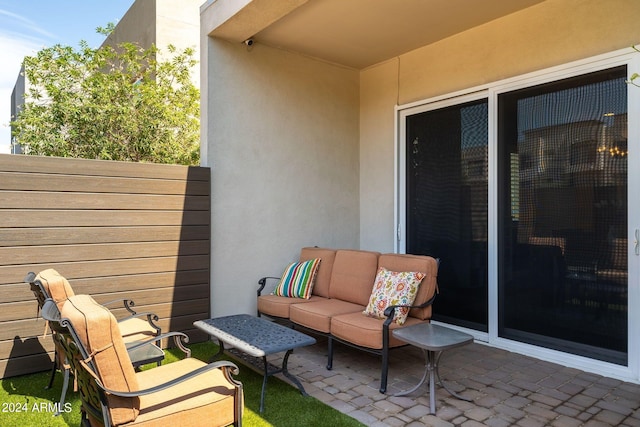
<point x="110" y="103"/>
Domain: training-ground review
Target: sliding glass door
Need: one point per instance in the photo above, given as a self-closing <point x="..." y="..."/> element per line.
<point x="521" y="192"/>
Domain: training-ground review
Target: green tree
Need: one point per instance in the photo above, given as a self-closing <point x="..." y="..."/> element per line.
<point x="110" y="103"/>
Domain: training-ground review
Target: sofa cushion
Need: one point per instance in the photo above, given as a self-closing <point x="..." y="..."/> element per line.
<point x="317" y="315"/>
<point x="323" y="275"/>
<point x="353" y="275"/>
<point x="393" y="288"/>
<point x="274" y="305"/>
<point x="366" y="331"/>
<point x="422" y="263"/>
<point x="297" y="279"/>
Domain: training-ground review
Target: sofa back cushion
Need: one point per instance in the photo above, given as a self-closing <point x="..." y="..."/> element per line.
<point x="323" y="275"/>
<point x="417" y="263"/>
<point x="353" y="275"/>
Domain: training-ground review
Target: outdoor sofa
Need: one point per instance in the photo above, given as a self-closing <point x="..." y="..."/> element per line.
<point x="346" y="303"/>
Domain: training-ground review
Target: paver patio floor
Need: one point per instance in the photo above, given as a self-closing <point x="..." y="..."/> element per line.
<point x="507" y="389"/>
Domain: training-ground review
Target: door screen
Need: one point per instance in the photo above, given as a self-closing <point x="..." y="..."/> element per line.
<point x="446" y="184"/>
<point x="562" y="245"/>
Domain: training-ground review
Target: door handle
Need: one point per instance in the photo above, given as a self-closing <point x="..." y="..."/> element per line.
<point x="636" y="243"/>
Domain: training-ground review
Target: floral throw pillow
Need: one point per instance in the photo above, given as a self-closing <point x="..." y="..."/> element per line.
<point x="298" y="279"/>
<point x="393" y="288"/>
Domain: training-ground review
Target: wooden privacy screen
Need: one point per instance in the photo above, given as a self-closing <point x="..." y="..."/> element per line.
<point x="114" y="229"/>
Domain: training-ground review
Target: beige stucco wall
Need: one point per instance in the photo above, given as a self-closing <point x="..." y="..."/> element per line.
<point x="551" y="33"/>
<point x="282" y="132"/>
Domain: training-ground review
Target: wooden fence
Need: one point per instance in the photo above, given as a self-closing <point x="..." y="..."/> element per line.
<point x="113" y="229"/>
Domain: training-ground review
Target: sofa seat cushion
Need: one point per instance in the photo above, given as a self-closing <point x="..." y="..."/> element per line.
<point x="277" y="306"/>
<point x="317" y="315"/>
<point x="211" y="396"/>
<point x="366" y="331"/>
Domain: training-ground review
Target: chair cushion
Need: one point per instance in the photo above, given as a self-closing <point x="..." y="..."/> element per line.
<point x="136" y="329"/>
<point x="366" y="331"/>
<point x="55" y="285"/>
<point x="298" y="279"/>
<point x="209" y="397"/>
<point x="323" y="276"/>
<point x="317" y="315"/>
<point x="98" y="332"/>
<point x="393" y="288"/>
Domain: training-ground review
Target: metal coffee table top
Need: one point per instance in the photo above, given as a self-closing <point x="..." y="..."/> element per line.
<point x="253" y="335"/>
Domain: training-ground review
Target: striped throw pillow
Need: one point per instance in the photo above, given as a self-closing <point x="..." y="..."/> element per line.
<point x="298" y="279"/>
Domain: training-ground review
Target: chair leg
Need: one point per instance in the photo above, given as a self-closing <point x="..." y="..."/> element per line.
<point x="385" y="370"/>
<point x="65" y="386"/>
<point x="54" y="368"/>
<point x="329" y="353"/>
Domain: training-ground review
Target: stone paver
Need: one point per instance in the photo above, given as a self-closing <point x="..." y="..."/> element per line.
<point x="506" y="389"/>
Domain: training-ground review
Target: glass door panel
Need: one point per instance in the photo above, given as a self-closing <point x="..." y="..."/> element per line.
<point x="562" y="249"/>
<point x="446" y="205"/>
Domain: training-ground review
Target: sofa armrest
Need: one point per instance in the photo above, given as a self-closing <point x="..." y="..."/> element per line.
<point x="263" y="282"/>
<point x="391" y="310"/>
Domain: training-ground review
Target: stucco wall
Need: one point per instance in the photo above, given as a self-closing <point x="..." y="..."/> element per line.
<point x="551" y="33"/>
<point x="284" y="163"/>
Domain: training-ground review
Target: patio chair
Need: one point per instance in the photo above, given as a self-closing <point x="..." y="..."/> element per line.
<point x="141" y="335"/>
<point x="188" y="392"/>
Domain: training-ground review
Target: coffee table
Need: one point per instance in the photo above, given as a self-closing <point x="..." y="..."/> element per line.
<point x="433" y="340"/>
<point x="257" y="338"/>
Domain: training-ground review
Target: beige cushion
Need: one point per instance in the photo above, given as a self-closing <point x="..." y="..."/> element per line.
<point x="421" y="263"/>
<point x="136" y="329"/>
<point x="366" y="331"/>
<point x="317" y="315"/>
<point x="208" y="396"/>
<point x="353" y="275"/>
<point x="56" y="286"/>
<point x="99" y="333"/>
<point x="274" y="305"/>
<point x="323" y="276"/>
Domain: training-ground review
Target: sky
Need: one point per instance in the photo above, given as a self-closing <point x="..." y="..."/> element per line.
<point x="26" y="26"/>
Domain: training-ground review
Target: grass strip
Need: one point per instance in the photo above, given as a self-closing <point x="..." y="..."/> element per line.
<point x="25" y="402"/>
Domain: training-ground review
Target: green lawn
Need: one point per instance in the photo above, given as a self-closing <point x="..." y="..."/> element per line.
<point x="25" y="402"/>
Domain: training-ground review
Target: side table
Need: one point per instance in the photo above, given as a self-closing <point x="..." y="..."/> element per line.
<point x="433" y="340"/>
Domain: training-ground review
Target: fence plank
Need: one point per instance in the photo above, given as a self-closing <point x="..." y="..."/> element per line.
<point x="70" y="235"/>
<point x="98" y="201"/>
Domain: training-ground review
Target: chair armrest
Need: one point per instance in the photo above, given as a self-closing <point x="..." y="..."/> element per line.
<point x="227" y="367"/>
<point x="263" y="282"/>
<point x="390" y="311"/>
<point x="179" y="338"/>
<point x="127" y="303"/>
